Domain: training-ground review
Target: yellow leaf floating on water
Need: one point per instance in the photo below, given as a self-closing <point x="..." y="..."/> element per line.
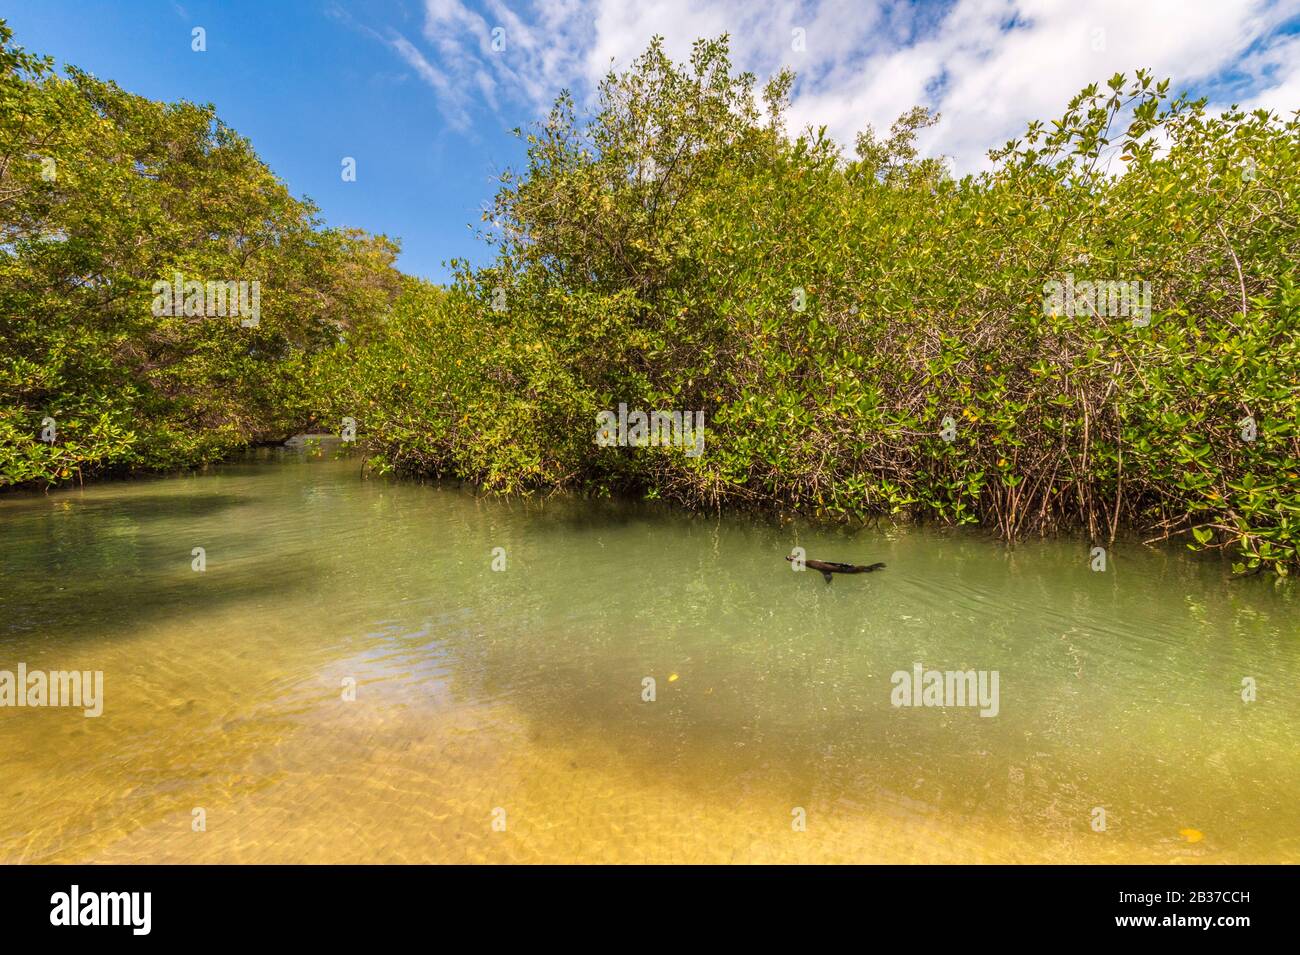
<point x="672" y="677"/>
<point x="1191" y="835"/>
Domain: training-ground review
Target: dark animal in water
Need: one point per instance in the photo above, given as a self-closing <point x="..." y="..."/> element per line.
<point x="827" y="568"/>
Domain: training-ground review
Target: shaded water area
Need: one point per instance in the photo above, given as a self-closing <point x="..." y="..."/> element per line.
<point x="516" y="696"/>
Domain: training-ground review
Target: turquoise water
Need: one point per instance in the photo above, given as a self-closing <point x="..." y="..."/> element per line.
<point x="500" y="715"/>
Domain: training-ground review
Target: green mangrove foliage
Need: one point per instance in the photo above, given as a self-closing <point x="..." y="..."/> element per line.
<point x="1099" y="332"/>
<point x="104" y="194"/>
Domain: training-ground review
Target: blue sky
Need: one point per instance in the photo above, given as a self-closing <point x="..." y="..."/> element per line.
<point x="308" y="89"/>
<point x="419" y="94"/>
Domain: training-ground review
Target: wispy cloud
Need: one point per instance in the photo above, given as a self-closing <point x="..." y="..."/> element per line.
<point x="988" y="66"/>
<point x="450" y="97"/>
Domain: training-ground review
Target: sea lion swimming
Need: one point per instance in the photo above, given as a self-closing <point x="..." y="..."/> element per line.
<point x="828" y="567"/>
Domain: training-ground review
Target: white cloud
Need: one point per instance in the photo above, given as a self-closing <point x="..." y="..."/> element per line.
<point x="989" y="66"/>
<point x="452" y="102"/>
<point x="1274" y="71"/>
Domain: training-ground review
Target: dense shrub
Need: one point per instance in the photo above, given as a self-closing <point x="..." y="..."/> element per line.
<point x="102" y="194"/>
<point x="682" y="250"/>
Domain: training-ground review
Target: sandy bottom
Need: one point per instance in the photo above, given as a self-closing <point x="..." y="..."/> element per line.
<point x="499" y="717"/>
<point x="459" y="794"/>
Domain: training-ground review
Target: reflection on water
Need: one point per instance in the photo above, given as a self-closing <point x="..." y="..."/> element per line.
<point x="521" y="690"/>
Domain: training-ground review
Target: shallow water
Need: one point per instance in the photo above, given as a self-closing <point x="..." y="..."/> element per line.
<point x="499" y="715"/>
